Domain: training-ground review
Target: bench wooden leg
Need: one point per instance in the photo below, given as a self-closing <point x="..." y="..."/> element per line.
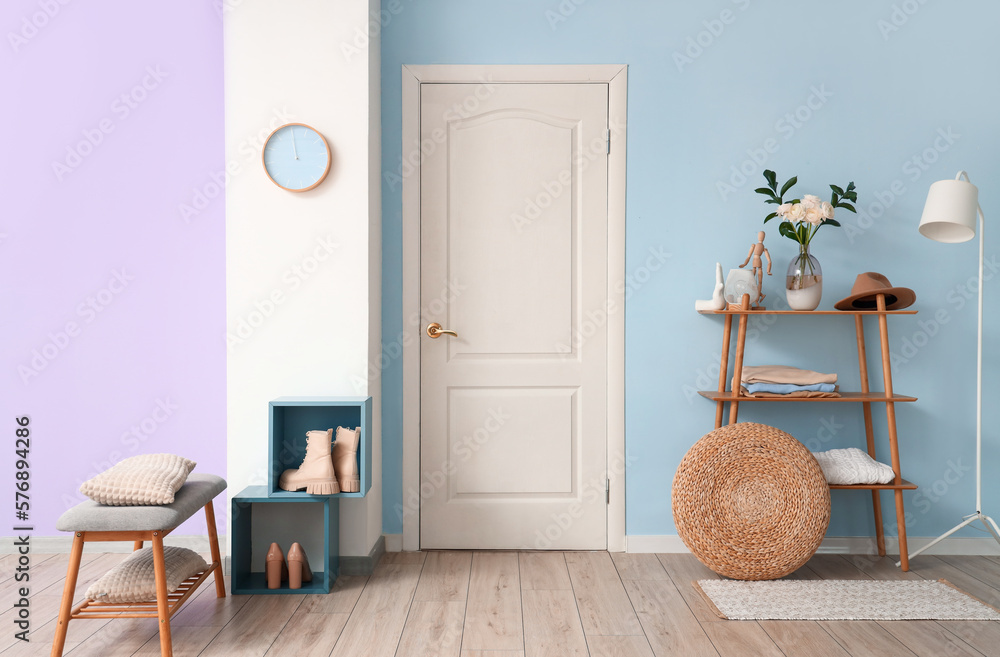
<point x="213" y="544"/>
<point x="69" y="590"/>
<point x="137" y="546"/>
<point x="162" y="608"/>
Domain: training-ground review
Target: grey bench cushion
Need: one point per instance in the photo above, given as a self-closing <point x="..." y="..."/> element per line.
<point x="90" y="516"/>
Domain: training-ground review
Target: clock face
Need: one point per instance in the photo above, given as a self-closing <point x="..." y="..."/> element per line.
<point x="296" y="157"/>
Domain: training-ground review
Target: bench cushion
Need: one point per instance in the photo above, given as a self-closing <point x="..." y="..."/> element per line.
<point x="90" y="516"/>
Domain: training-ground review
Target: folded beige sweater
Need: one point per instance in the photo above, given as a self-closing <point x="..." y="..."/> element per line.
<point x="784" y="374"/>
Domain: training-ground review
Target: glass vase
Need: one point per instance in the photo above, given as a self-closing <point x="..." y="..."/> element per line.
<point x="804" y="281"/>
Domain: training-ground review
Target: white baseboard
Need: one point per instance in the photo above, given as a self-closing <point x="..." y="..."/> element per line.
<point x="661" y="544"/>
<point x="838" y="545"/>
<point x="62" y="544"/>
<point x="393" y="542"/>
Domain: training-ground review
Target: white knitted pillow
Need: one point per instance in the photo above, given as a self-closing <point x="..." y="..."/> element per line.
<point x="144" y="480"/>
<point x="853" y="466"/>
<point x="133" y="580"/>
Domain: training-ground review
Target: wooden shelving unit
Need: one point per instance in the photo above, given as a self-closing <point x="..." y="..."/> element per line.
<point x="866" y="397"/>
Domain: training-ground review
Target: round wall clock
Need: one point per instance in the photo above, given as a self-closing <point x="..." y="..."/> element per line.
<point x="296" y="157"/>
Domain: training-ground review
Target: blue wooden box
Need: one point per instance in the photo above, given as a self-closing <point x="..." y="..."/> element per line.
<point x="318" y="509"/>
<point x="289" y="418"/>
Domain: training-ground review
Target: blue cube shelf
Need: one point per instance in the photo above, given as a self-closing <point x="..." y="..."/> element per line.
<point x="289" y="418"/>
<point x="306" y="511"/>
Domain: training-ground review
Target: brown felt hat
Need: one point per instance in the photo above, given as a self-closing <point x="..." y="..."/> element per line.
<point x="868" y="286"/>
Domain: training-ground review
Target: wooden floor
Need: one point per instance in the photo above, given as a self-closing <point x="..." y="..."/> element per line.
<point x="507" y="604"/>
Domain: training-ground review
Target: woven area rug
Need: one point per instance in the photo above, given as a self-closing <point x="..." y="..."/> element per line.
<point x="842" y="600"/>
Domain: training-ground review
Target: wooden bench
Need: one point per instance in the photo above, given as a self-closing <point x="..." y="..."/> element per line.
<point x="93" y="522"/>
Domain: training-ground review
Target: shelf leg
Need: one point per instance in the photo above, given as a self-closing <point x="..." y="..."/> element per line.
<point x="741" y="341"/>
<point x="859" y="329"/>
<point x="213" y="543"/>
<point x="69" y="589"/>
<point x="890" y="416"/>
<point x="720" y="406"/>
<point x="162" y="601"/>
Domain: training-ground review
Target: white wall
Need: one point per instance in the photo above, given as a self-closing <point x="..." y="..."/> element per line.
<point x="317" y="252"/>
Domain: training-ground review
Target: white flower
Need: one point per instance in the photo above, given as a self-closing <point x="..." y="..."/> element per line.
<point x="796" y="212"/>
<point x="814" y="215"/>
<point x="783" y="209"/>
<point x="810" y="201"/>
<point x="827" y="210"/>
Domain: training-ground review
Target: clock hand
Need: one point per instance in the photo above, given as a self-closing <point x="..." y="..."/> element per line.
<point x="294" y="150"/>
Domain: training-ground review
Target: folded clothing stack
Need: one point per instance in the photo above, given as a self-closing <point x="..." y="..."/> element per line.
<point x="785" y="381"/>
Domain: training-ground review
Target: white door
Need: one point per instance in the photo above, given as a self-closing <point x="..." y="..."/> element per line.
<point x="513" y="258"/>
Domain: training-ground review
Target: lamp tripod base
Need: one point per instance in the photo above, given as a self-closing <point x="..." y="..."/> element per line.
<point x="991" y="526"/>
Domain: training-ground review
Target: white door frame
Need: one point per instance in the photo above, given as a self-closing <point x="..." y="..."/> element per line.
<point x="616" y="76"/>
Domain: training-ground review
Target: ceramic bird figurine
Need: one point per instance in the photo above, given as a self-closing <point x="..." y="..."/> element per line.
<point x="717" y="302"/>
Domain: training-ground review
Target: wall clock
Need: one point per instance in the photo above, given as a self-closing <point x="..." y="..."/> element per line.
<point x="296" y="157"/>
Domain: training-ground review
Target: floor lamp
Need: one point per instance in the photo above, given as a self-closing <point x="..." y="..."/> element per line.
<point x="950" y="216"/>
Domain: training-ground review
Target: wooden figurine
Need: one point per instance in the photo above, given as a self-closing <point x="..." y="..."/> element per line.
<point x="757" y="267"/>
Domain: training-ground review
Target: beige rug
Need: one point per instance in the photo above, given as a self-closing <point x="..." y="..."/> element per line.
<point x="842" y="600"/>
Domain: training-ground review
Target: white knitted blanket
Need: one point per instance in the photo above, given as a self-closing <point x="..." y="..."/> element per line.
<point x="853" y="466"/>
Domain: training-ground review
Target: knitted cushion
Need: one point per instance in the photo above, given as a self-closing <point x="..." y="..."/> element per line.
<point x="853" y="466"/>
<point x="133" y="580"/>
<point x="89" y="516"/>
<point x="144" y="480"/>
<point x="750" y="502"/>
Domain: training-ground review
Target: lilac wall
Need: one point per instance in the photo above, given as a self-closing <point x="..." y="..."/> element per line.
<point x="113" y="292"/>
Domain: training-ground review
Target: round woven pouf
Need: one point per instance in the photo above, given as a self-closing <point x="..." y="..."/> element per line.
<point x="751" y="502"/>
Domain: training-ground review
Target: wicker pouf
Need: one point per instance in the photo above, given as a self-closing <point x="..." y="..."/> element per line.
<point x="751" y="502"/>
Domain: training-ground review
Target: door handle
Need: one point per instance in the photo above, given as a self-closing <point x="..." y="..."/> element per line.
<point x="434" y="330"/>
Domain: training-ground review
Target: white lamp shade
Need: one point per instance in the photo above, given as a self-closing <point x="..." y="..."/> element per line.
<point x="950" y="211"/>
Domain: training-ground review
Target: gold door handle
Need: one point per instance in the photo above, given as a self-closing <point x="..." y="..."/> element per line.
<point x="434" y="330"/>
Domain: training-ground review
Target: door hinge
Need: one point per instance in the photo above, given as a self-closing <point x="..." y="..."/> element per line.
<point x="607" y="140"/>
<point x="607" y="491"/>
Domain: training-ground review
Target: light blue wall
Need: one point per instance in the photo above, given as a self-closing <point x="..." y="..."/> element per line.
<point x="892" y="92"/>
